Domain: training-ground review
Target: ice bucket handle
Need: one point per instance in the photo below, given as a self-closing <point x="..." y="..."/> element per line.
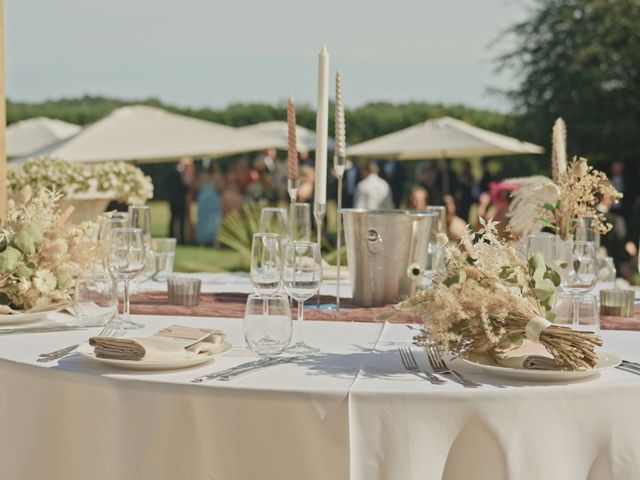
<point x="374" y="241"/>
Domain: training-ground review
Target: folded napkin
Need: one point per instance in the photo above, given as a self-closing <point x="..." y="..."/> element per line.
<point x="530" y="356"/>
<point x="172" y="343"/>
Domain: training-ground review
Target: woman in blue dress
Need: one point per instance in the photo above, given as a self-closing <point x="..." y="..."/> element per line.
<point x="209" y="206"/>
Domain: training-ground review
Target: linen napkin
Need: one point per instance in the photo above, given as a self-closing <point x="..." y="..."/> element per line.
<point x="172" y="343"/>
<point x="530" y="356"/>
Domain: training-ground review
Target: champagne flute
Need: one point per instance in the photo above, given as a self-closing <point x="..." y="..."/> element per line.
<point x="266" y="271"/>
<point x="140" y="217"/>
<point x="300" y="220"/>
<point x="125" y="260"/>
<point x="302" y="273"/>
<point x="578" y="271"/>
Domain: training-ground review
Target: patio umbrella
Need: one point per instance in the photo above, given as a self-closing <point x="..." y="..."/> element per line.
<point x="306" y="139"/>
<point x="34" y="134"/>
<point x="147" y="134"/>
<point x="444" y="137"/>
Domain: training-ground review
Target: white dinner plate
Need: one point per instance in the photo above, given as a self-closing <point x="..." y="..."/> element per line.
<point x="19" y="318"/>
<point x="86" y="351"/>
<point x="606" y="361"/>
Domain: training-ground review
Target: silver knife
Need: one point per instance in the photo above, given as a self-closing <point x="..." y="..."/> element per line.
<point x="242" y="366"/>
<point x="246" y="371"/>
<point x="44" y="329"/>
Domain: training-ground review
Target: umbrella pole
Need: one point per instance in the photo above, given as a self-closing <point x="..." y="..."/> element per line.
<point x="3" y="123"/>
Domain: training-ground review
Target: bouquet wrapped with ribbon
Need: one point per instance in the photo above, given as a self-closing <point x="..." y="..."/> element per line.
<point x="490" y="299"/>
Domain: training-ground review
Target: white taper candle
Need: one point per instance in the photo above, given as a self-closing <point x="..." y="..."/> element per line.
<point x="322" y="127"/>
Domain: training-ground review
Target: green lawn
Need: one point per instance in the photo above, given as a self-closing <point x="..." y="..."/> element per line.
<point x="191" y="258"/>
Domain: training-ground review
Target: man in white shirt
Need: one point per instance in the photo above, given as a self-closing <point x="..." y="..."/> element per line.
<point x="372" y="192"/>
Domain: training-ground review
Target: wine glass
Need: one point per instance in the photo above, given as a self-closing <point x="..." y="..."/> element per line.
<point x="586" y="231"/>
<point x="266" y="271"/>
<point x="300" y="218"/>
<point x="125" y="260"/>
<point x="578" y="271"/>
<point x="275" y="220"/>
<point x="95" y="301"/>
<point x="107" y="222"/>
<point x="267" y="334"/>
<point x="140" y="217"/>
<point x="302" y="273"/>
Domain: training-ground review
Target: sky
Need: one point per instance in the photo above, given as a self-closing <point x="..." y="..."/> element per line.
<point x="210" y="53"/>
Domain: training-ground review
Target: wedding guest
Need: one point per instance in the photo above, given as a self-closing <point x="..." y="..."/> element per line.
<point x="418" y="198"/>
<point x="456" y="226"/>
<point x="615" y="240"/>
<point x="373" y="192"/>
<point x="464" y="193"/>
<point x="209" y="206"/>
<point x="232" y="198"/>
<point x="178" y="184"/>
<point x="351" y="176"/>
<point x="307" y="180"/>
<point x="486" y="178"/>
<point x="393" y="173"/>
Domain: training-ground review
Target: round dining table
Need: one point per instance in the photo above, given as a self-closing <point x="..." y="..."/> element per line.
<point x="351" y="411"/>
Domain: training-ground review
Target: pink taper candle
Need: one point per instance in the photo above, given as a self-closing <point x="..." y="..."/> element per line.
<point x="293" y="148"/>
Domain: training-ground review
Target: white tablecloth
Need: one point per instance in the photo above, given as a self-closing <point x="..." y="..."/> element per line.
<point x="349" y="412"/>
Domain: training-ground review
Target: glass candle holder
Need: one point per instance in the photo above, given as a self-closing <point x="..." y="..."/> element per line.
<point x="617" y="302"/>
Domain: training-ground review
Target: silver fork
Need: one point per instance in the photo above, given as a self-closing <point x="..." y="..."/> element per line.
<point x="438" y="365"/>
<point x="410" y="364"/>
<point x="108" y="331"/>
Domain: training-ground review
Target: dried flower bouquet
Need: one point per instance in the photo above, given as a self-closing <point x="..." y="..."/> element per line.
<point x="41" y="254"/>
<point x="489" y="299"/>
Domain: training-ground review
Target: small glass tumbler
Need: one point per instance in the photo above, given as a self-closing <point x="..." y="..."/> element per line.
<point x="588" y="318"/>
<point x="184" y="291"/>
<point x="95" y="302"/>
<point x="617" y="303"/>
<point x="164" y="253"/>
<point x="269" y="333"/>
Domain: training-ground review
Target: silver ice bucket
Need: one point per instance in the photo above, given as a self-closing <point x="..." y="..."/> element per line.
<point x="386" y="250"/>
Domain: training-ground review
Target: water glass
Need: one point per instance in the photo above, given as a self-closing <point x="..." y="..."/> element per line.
<point x="300" y="222"/>
<point x="301" y="275"/>
<point x="126" y="256"/>
<point x="163" y="255"/>
<point x="545" y="244"/>
<point x="275" y="220"/>
<point x="95" y="301"/>
<point x="578" y="268"/>
<point x="266" y="266"/>
<point x="587" y="312"/>
<point x="267" y="334"/>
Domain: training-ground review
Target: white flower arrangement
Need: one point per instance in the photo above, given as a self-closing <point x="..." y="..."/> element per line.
<point x="41" y="253"/>
<point x="122" y="181"/>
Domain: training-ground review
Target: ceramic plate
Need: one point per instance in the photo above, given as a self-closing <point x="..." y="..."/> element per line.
<point x="18" y="318"/>
<point x="606" y="361"/>
<point x="86" y="351"/>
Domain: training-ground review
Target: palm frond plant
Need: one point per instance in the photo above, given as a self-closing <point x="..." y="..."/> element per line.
<point x="238" y="228"/>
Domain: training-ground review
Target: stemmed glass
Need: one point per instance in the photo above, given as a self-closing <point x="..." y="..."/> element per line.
<point x="578" y="271"/>
<point x="107" y="222"/>
<point x="275" y="220"/>
<point x="302" y="273"/>
<point x="140" y="217"/>
<point x="126" y="259"/>
<point x="300" y="219"/>
<point x="266" y="266"/>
